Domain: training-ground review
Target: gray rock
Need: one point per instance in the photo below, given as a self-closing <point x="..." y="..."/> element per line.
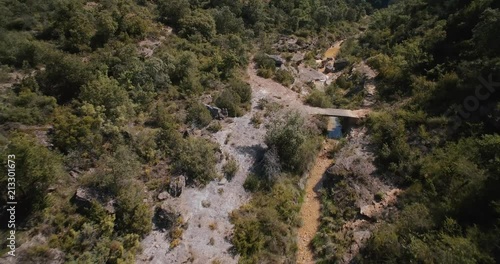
<point x="176" y="185"/>
<point x="329" y="68"/>
<point x="165" y="217"/>
<point x="223" y="181"/>
<point x="277" y="59"/>
<point x="298" y="58"/>
<point x="216" y="112"/>
<point x="85" y="196"/>
<point x="163" y="196"/>
<point x="311" y="75"/>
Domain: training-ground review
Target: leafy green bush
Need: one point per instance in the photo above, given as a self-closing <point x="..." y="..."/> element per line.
<point x="36" y="169"/>
<point x="229" y="100"/>
<point x="265" y="228"/>
<point x="241" y="88"/>
<point x="27" y="107"/>
<point x="214" y="127"/>
<point x="198" y="115"/>
<point x="106" y="92"/>
<point x="318" y="99"/>
<point x="284" y="77"/>
<point x="198" y="22"/>
<point x="294" y="143"/>
<point x="230" y="168"/>
<point x="262" y="61"/>
<point x="195" y="157"/>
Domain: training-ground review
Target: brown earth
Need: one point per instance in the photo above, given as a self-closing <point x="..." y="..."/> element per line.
<point x="311" y="208"/>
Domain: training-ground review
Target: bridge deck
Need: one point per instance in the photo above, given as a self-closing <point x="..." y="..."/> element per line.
<point x="336" y="112"/>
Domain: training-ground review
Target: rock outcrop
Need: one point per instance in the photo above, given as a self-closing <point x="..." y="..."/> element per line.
<point x="216" y="112"/>
<point x="165" y="217"/>
<point x="85" y="196"/>
<point x="278" y="61"/>
<point x="176" y="185"/>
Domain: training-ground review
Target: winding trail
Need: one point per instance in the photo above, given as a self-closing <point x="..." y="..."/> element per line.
<point x="310" y="211"/>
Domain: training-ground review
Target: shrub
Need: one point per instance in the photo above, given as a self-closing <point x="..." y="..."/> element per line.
<point x="198" y="22"/>
<point x="241" y="88"/>
<point x="37" y="169"/>
<point x="294" y="143"/>
<point x="215" y="127"/>
<point x="265" y="73"/>
<point x="256" y="120"/>
<point x="318" y="99"/>
<point x="195" y="157"/>
<point x="252" y="183"/>
<point x="284" y="77"/>
<point x="264" y="62"/>
<point x="28" y="108"/>
<point x="229" y="100"/>
<point x="230" y="168"/>
<point x="199" y="115"/>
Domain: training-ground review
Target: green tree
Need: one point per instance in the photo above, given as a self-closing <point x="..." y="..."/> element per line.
<point x="226" y="21"/>
<point x="230" y="101"/>
<point x="36" y="169"/>
<point x="198" y="115"/>
<point x="106" y="92"/>
<point x="198" y="22"/>
<point x="171" y="11"/>
<point x="195" y="157"/>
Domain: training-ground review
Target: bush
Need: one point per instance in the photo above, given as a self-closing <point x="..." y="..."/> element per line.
<point x="28" y="108"/>
<point x="230" y="168"/>
<point x="229" y="100"/>
<point x="106" y="92"/>
<point x="294" y="143"/>
<point x="252" y="183"/>
<point x="241" y="88"/>
<point x="264" y="229"/>
<point x="214" y="127"/>
<point x="36" y="169"/>
<point x="284" y="77"/>
<point x="265" y="73"/>
<point x="195" y="157"/>
<point x="198" y="22"/>
<point x="199" y="115"/>
<point x="318" y="99"/>
<point x="264" y="62"/>
<point x="256" y="120"/>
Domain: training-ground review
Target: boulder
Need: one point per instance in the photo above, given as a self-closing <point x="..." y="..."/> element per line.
<point x="85" y="196"/>
<point x="307" y="75"/>
<point x="216" y="112"/>
<point x="278" y="61"/>
<point x="163" y="196"/>
<point x="297" y="58"/>
<point x="165" y="217"/>
<point x="371" y="211"/>
<point x="176" y="185"/>
<point x="340" y="64"/>
<point x="329" y="68"/>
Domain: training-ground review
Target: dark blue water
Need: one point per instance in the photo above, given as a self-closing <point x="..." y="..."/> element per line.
<point x="336" y="132"/>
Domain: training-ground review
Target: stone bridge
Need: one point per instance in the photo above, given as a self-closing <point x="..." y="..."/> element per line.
<point x="355" y="114"/>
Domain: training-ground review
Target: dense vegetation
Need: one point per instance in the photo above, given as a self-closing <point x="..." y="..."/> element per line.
<point x="107" y="88"/>
<point x="436" y="131"/>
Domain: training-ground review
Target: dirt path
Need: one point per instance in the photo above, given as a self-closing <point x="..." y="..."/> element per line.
<point x="311" y="208"/>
